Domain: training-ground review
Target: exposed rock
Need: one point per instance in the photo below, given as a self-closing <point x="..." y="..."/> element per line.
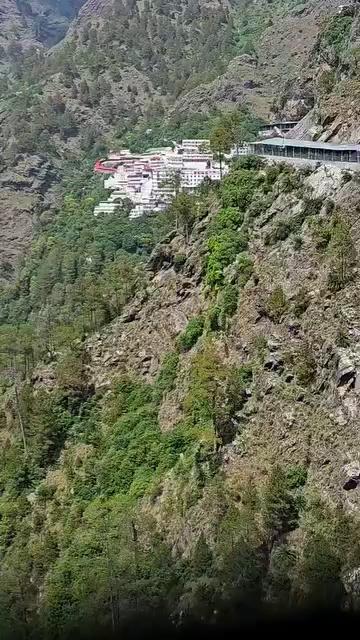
<point x="273" y="345"/>
<point x="160" y="257"/>
<point x="351" y="582"/>
<point x="170" y="412"/>
<point x="346" y="371"/>
<point x="251" y="84"/>
<point x="274" y="363"/>
<point x="26" y="190"/>
<point x="146" y="332"/>
<point x="325" y="181"/>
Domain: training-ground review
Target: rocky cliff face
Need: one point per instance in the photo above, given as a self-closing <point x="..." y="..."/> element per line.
<point x="280" y="71"/>
<point x="224" y="400"/>
<point x="303" y="405"/>
<point x="35" y="22"/>
<point x="26" y="191"/>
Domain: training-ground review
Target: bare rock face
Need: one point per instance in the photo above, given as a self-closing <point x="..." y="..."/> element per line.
<point x="347" y="370"/>
<point x="26" y="190"/>
<point x="351" y="582"/>
<point x="24" y="20"/>
<point x="137" y="347"/>
<point x="242" y="81"/>
<point x="137" y="342"/>
<point x="278" y="76"/>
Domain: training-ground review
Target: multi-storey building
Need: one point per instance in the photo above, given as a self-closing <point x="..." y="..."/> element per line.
<point x="150" y="180"/>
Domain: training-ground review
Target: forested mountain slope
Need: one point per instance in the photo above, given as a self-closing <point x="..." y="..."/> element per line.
<point x="190" y="455"/>
<point x="127" y="63"/>
<point x="35" y="22"/>
<point x="179" y="395"/>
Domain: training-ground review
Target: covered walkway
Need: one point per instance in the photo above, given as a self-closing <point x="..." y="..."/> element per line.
<point x="281" y="127"/>
<point x="323" y="152"/>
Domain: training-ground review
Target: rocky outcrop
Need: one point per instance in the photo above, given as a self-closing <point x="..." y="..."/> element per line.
<point x="278" y="75"/>
<point x="243" y="81"/>
<point x="40" y="22"/>
<point x="303" y="406"/>
<point x="137" y="342"/>
<point x="26" y="191"/>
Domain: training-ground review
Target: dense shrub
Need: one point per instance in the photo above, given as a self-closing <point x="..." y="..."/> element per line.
<point x="280" y="231"/>
<point x="213" y="318"/>
<point x="223" y="249"/>
<point x="167" y="375"/>
<point x="249" y="162"/>
<point x="228" y="218"/>
<point x="229" y="300"/>
<point x="336" y="34"/>
<point x="312" y="206"/>
<point x="179" y="261"/>
<point x="303" y="361"/>
<point x="192" y="333"/>
<point x="244" y="268"/>
<point x="277" y="304"/>
<point x="290" y="181"/>
<point x="297" y="242"/>
<point x="224" y="309"/>
<point x="342" y="255"/>
<point x="296" y="477"/>
<point x="326" y="81"/>
<point x="321" y="232"/>
<point x="301" y="302"/>
<point x="237" y="188"/>
<point x="272" y="173"/>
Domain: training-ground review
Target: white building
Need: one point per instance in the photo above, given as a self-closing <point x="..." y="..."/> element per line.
<point x="148" y="180"/>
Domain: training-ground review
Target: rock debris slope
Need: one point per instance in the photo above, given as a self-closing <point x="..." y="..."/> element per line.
<point x="300" y="333"/>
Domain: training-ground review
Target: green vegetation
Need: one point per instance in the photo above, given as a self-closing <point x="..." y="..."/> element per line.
<point x="336" y="36"/>
<point x="280" y="232"/>
<point x="126" y="71"/>
<point x="227" y="302"/>
<point x="251" y="21"/>
<point x="182" y="212"/>
<point x="303" y="362"/>
<point x="277" y="304"/>
<point x="228" y="235"/>
<point x="321" y="230"/>
<point x="342" y="256"/>
<point x="122" y="495"/>
<point x="165" y="133"/>
<point x="80" y="273"/>
<point x="301" y="302"/>
<point x="223" y="249"/>
<point x="326" y="82"/>
<point x="334" y="237"/>
<point x="127" y="498"/>
<point x="167" y="376"/>
<point x="192" y="333"/>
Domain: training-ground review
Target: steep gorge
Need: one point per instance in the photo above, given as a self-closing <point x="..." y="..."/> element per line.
<point x="179" y="395"/>
<point x="220" y="405"/>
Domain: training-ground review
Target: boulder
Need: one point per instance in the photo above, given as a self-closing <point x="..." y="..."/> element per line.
<point x="351" y="582"/>
<point x="274" y="363"/>
<point x="346" y="370"/>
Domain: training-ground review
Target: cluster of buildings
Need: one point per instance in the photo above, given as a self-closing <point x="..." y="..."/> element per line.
<point x="149" y="181"/>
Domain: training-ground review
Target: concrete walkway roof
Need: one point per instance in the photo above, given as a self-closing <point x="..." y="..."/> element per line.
<point x="307" y="144"/>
